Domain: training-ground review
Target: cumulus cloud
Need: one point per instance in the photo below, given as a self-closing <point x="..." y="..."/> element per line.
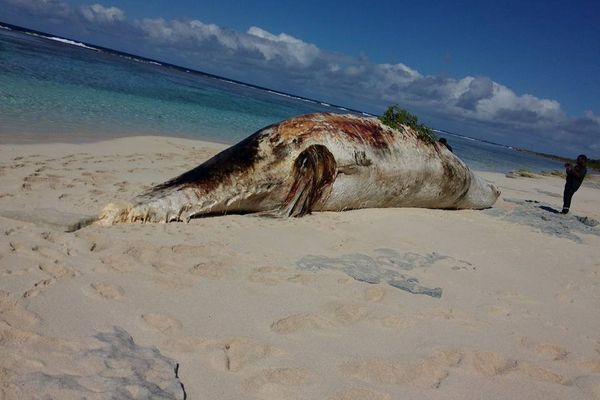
<point x="272" y="48"/>
<point x="505" y="100"/>
<point x="103" y="15"/>
<point x="287" y="63"/>
<point x="191" y="33"/>
<point x="477" y="89"/>
<point x="288" y="48"/>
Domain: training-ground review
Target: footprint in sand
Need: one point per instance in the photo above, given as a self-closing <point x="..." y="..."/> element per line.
<point x="266" y="275"/>
<point x="232" y="355"/>
<point x="162" y="323"/>
<point x="398" y="321"/>
<point x="210" y="270"/>
<point x="491" y="364"/>
<point x="538" y="373"/>
<point x="301" y="323"/>
<point x="187" y="344"/>
<point x="49" y="253"/>
<point x="341" y="314"/>
<point x="347" y="314"/>
<point x="58" y="270"/>
<point x="452" y="314"/>
<point x="108" y="290"/>
<point x="13" y="313"/>
<point x="374" y="293"/>
<point x="277" y="383"/>
<point x="223" y="354"/>
<point x="239" y="352"/>
<point x="548" y="351"/>
<point x="359" y="394"/>
<point x="120" y="262"/>
<point x="426" y="372"/>
<point x="303" y="279"/>
<point x="14" y="246"/>
<point x="38" y="288"/>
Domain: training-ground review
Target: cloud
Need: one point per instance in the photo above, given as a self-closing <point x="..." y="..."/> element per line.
<point x="590" y="115"/>
<point x="193" y="34"/>
<point x="503" y="99"/>
<point x="289" y="49"/>
<point x="97" y="13"/>
<point x="480" y="88"/>
<point x="287" y="63"/>
<point x="579" y="135"/>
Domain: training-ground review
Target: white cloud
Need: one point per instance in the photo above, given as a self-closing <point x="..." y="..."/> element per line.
<point x="470" y="91"/>
<point x="288" y="48"/>
<point x="193" y="33"/>
<point x="503" y="99"/>
<point x="103" y="15"/>
<point x="397" y="73"/>
<point x="478" y="98"/>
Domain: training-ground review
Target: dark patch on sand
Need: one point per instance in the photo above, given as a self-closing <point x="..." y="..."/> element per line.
<point x="547" y="219"/>
<point x="130" y="372"/>
<point x="386" y="265"/>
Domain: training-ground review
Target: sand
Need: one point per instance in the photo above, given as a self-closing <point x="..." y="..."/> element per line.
<point x="367" y="304"/>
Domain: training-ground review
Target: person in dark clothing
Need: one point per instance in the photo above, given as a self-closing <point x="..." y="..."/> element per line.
<point x="445" y="143"/>
<point x="575" y="175"/>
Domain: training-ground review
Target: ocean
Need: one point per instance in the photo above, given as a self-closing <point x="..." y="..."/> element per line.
<point x="53" y="89"/>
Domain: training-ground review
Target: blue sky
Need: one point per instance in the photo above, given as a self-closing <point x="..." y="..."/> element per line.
<point x="524" y="73"/>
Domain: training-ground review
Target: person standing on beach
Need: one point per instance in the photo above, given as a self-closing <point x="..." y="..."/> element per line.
<point x="575" y="175"/>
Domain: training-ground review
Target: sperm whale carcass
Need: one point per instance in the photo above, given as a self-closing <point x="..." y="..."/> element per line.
<point x="314" y="162"/>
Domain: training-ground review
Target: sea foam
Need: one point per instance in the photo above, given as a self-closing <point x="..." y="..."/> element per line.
<point x="71" y="42"/>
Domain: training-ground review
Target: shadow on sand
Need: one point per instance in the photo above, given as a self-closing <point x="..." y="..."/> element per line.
<point x="550" y="209"/>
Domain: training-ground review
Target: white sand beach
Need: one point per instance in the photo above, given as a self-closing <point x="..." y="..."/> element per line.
<point x="369" y="304"/>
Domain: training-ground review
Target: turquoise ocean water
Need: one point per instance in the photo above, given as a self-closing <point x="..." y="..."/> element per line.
<point x="52" y="90"/>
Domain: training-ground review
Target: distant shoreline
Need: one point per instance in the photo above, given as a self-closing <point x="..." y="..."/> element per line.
<point x="592" y="164"/>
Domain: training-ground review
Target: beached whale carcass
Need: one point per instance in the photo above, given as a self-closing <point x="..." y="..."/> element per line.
<point x="315" y="162"/>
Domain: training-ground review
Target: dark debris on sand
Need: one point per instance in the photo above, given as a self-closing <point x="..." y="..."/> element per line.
<point x="386" y="265"/>
<point x="130" y="372"/>
<point x="547" y="219"/>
